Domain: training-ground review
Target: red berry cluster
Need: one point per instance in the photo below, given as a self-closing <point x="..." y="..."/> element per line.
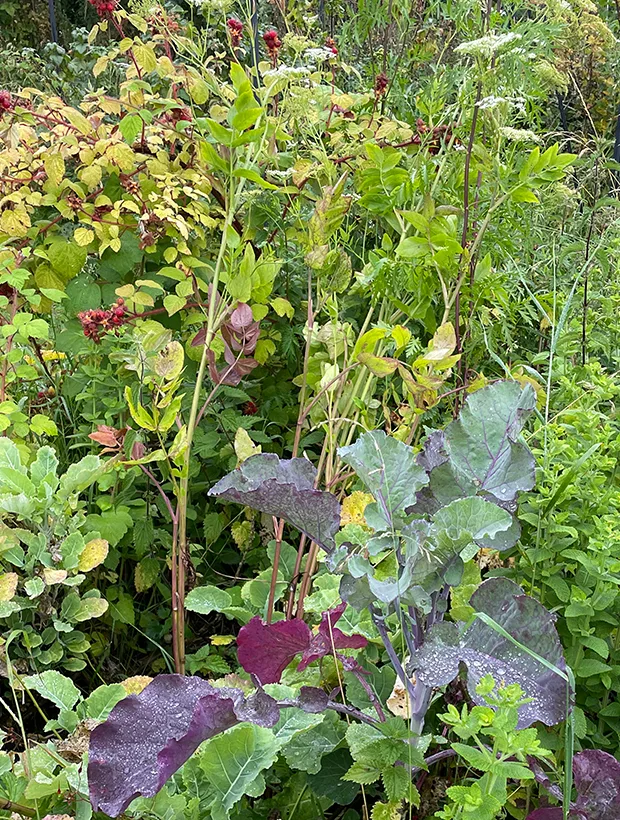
<point x="6" y="101"/>
<point x="330" y="45"/>
<point x="250" y="408"/>
<point x="161" y="21"/>
<point x="273" y="43"/>
<point x="432" y="137"/>
<point x="96" y="322"/>
<point x="235" y="30"/>
<point x="381" y="84"/>
<point x="103" y="7"/>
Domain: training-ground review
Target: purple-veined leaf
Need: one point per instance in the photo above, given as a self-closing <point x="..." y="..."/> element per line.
<point x="265" y="650"/>
<point x="389" y="470"/>
<point x="597" y="780"/>
<point x="284" y="488"/>
<point x="482" y="444"/>
<point x="433" y="452"/>
<point x="148" y="737"/>
<point x="596" y="775"/>
<point x="485" y="651"/>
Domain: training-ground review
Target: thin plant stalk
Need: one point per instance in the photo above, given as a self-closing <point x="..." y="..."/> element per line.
<point x="278" y="531"/>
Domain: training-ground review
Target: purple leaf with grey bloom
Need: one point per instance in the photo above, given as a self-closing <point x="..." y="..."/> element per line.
<point x="596" y="775"/>
<point x="485" y="651"/>
<point x="597" y="780"/>
<point x="148" y="737"/>
<point x="284" y="488"/>
<point x="313" y="700"/>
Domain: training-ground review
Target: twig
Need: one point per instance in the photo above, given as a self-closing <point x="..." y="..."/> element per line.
<point x="8" y="805"/>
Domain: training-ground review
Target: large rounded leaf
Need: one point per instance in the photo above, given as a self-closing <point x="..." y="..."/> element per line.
<point x="284" y="488"/>
<point x="147" y="737"/>
<point x="482" y="443"/>
<point x="485" y="651"/>
<point x="389" y="470"/>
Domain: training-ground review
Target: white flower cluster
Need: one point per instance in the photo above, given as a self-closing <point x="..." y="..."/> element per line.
<point x="287" y="72"/>
<point x="222" y="6"/>
<point x="519" y="134"/>
<point x="318" y="55"/>
<point x="488" y="45"/>
<point x="491" y="102"/>
<point x="287" y="173"/>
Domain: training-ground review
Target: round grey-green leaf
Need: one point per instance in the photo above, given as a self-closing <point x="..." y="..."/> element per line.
<point x="207" y="599"/>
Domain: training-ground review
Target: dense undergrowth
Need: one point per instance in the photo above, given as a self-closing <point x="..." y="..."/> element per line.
<point x="309" y="382"/>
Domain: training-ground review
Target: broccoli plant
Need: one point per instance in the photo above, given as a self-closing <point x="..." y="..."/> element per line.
<point x="431" y="513"/>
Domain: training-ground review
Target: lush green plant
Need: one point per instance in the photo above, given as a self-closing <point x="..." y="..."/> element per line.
<point x="47" y="542"/>
<point x="229" y="246"/>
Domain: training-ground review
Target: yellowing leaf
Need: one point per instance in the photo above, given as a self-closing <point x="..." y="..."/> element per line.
<point x="93" y="554"/>
<point x="222" y="640"/>
<point x="135" y="684"/>
<point x="8" y="585"/>
<point x="264" y="349"/>
<point x="83" y="236"/>
<point x="90" y="176"/>
<point x="174" y="303"/>
<point x="14" y="223"/>
<point x="54" y="168"/>
<point x="367" y="342"/>
<point x="353" y="507"/>
<point x="440" y="348"/>
<point x="259" y="312"/>
<point x="401" y="336"/>
<point x="379" y="365"/>
<point x="169" y="362"/>
<point x="282" y="307"/>
<point x="54" y="576"/>
<point x="146" y="573"/>
<point x="244" y="446"/>
<point x="77" y="119"/>
<point x="101" y="65"/>
<point x="145" y="57"/>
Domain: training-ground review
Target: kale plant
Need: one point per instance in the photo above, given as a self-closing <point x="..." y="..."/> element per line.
<point x="431" y="513"/>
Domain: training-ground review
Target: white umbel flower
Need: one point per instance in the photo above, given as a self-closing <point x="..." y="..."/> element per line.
<point x="488" y="45"/>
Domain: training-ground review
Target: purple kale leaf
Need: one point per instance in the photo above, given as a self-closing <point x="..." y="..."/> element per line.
<point x="284" y="488"/>
<point x="597" y="780"/>
<point x="484" y="651"/>
<point x="312" y="700"/>
<point x="480" y="454"/>
<point x="148" y="737"/>
<point x="265" y="650"/>
<point x="329" y="637"/>
<point x="596" y="775"/>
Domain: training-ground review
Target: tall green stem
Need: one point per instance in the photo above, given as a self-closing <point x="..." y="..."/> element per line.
<point x="179" y="549"/>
